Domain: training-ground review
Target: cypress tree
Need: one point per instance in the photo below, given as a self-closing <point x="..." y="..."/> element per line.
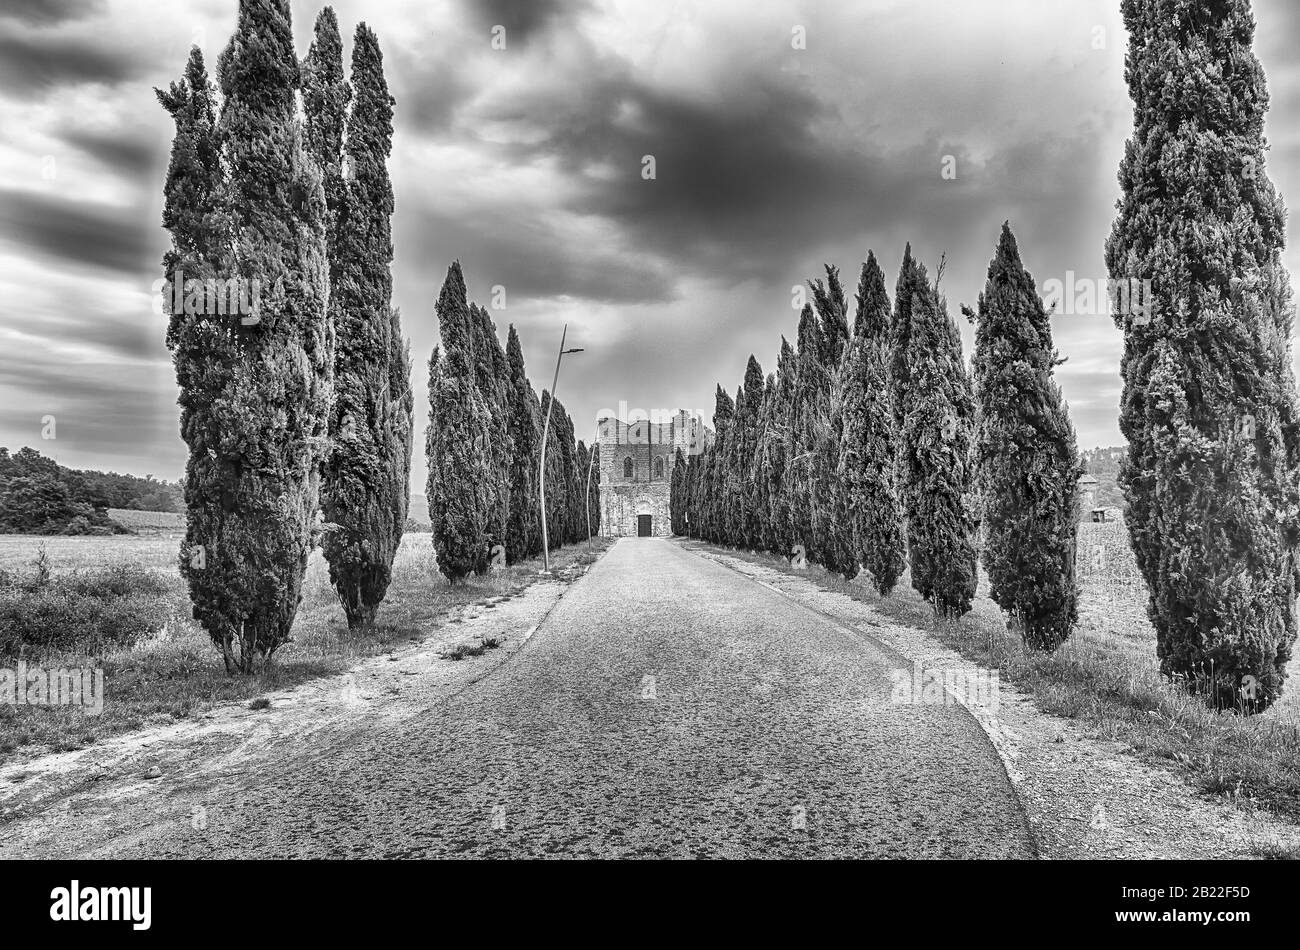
<point x="574" y="521"/>
<point x="254" y="389"/>
<point x="555" y="476"/>
<point x="325" y="97"/>
<point x="592" y="464"/>
<point x="461" y="476"/>
<point x="830" y="516"/>
<point x="806" y="421"/>
<point x="1209" y="406"/>
<point x="900" y="338"/>
<point x="676" y="494"/>
<point x="523" y="529"/>
<point x="581" y="458"/>
<point x="204" y="347"/>
<point x="760" y="503"/>
<point x="714" y="486"/>
<point x="366" y="486"/>
<point x="741" y="503"/>
<point x="729" y="501"/>
<point x="273" y="415"/>
<point x="1026" y="458"/>
<point x="938" y="422"/>
<point x="868" y="441"/>
<point x="777" y="444"/>
<point x="491" y="376"/>
<point x="687" y="497"/>
<point x="459" y="489"/>
<point x="690" y="493"/>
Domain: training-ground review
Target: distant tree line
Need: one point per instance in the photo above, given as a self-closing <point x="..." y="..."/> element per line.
<point x="483" y="446"/>
<point x="874" y="448"/>
<point x="40" y="496"/>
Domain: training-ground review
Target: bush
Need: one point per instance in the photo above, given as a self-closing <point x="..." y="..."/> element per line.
<point x="87" y="611"/>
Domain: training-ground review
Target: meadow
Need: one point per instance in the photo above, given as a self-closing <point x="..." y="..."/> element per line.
<point x="168" y="669"/>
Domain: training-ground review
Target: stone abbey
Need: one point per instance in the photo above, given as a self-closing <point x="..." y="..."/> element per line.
<point x="636" y="470"/>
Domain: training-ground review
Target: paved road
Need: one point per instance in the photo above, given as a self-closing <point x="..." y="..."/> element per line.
<point x="666" y="707"/>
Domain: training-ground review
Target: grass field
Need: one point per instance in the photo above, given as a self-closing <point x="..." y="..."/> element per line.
<point x="175" y="672"/>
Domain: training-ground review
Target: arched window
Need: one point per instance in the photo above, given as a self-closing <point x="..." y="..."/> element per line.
<point x="627" y="467"/>
<point x="659" y="467"/>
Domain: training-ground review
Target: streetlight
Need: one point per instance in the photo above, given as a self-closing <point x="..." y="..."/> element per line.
<point x="541" y="464"/>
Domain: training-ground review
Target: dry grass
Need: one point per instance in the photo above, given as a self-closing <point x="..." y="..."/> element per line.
<point x="176" y="672"/>
<point x="1107" y="676"/>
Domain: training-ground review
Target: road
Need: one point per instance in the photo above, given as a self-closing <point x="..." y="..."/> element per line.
<point x="666" y="707"/>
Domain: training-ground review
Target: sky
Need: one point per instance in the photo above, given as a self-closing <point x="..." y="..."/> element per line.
<point x="785" y="135"/>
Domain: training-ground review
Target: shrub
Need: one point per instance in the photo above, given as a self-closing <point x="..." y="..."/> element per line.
<point x="87" y="611"/>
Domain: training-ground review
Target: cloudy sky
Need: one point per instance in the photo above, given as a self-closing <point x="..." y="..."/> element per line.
<point x="526" y="163"/>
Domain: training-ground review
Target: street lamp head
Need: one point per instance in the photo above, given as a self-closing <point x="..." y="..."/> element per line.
<point x="576" y="349"/>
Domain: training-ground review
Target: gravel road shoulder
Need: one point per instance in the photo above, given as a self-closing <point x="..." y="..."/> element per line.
<point x="54" y="805"/>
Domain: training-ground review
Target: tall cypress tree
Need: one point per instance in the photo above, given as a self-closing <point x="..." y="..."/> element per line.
<point x="555" y="476"/>
<point x="459" y="489"/>
<point x="523" y="530"/>
<point x="204" y="347"/>
<point x="806" y="434"/>
<point x="591" y="464"/>
<point x="712" y="493"/>
<point x="936" y="441"/>
<point x="691" y="491"/>
<point x="676" y="493"/>
<point x="830" y="518"/>
<point x="900" y="338"/>
<point x="760" y="503"/>
<point x="325" y="97"/>
<point x="1027" y="461"/>
<point x="575" y="519"/>
<point x="366" y="486"/>
<point x="741" y="519"/>
<point x="729" y="500"/>
<point x="266" y="393"/>
<point x="462" y="489"/>
<point x="777" y="443"/>
<point x="868" y="441"/>
<point x="491" y="375"/>
<point x="1209" y="404"/>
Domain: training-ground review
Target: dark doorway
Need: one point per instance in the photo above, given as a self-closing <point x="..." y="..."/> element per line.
<point x="643" y="526"/>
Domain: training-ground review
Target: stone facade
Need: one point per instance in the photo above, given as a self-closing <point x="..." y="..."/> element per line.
<point x="636" y="470"/>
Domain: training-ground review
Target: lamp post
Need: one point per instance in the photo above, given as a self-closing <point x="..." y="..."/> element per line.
<point x="541" y="464"/>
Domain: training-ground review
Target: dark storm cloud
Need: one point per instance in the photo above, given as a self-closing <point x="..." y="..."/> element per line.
<point x="48" y="12"/>
<point x="37" y="62"/>
<point x="530" y="260"/>
<point x="133" y="335"/>
<point x="135" y="154"/>
<point x="523" y="19"/>
<point x="77" y="232"/>
<point x="442" y="83"/>
<point x="747" y="188"/>
<point x="735" y="187"/>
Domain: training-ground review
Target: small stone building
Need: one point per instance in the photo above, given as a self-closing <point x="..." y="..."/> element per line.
<point x="1087" y="492"/>
<point x="636" y="470"/>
